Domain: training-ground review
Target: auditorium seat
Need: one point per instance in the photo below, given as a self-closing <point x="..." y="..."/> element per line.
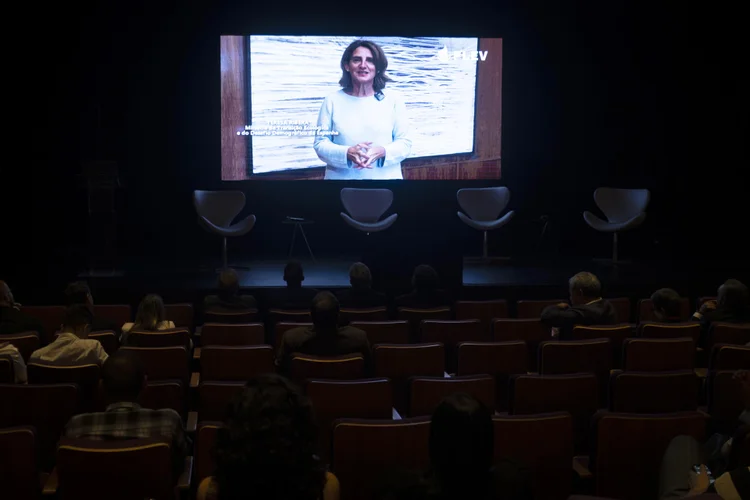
<point x="577" y="394"/>
<point x="214" y="399"/>
<point x="160" y="394"/>
<point x="182" y="315"/>
<point x="384" y="332"/>
<point x="399" y="362"/>
<point x="289" y="316"/>
<point x="497" y="359"/>
<point x="531" y="309"/>
<point x="232" y="334"/>
<point x="483" y="310"/>
<point x="578" y="356"/>
<point x="450" y="333"/>
<point x="690" y="329"/>
<point x="426" y="393"/>
<point x="7" y="372"/>
<point x="729" y="357"/>
<point x="728" y="333"/>
<point x="161" y="338"/>
<point x="530" y="330"/>
<point x="366" y="450"/>
<point x="646" y="310"/>
<point x="654" y="355"/>
<point x="236" y="363"/>
<point x="629" y="449"/>
<point x="369" y="314"/>
<point x="205" y="441"/>
<point x="416" y="316"/>
<point x="615" y="333"/>
<point x="544" y="444"/>
<point x="622" y="308"/>
<point x="86" y="377"/>
<point x="25" y="342"/>
<point x="280" y="328"/>
<point x="119" y="314"/>
<point x="19" y="479"/>
<point x="163" y="363"/>
<point x="724" y="399"/>
<point x="347" y="367"/>
<point x="653" y="392"/>
<point x="51" y="318"/>
<point x="240" y="317"/>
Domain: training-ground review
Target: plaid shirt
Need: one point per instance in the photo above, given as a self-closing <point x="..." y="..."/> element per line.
<point x="129" y="421"/>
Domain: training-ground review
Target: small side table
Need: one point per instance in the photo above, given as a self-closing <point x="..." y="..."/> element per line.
<point x="298" y="223"/>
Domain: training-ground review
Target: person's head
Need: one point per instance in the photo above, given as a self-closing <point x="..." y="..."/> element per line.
<point x="123" y="376"/>
<point x="461" y="441"/>
<point x="733" y="296"/>
<point x="584" y="287"/>
<point x="77" y="320"/>
<point x="150" y="313"/>
<point x="359" y="276"/>
<point x="78" y="292"/>
<point x="229" y="283"/>
<point x="293" y="273"/>
<point x="666" y="304"/>
<point x="425" y="278"/>
<point x="268" y="444"/>
<point x="325" y="310"/>
<point x="364" y="63"/>
<point x="6" y="296"/>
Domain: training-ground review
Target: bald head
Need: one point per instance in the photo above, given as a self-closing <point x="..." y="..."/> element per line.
<point x="325" y="310"/>
<point x="6" y="297"/>
<point x="123" y="376"/>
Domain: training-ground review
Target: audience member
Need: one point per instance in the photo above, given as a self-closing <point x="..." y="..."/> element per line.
<point x="12" y="320"/>
<point x="228" y="296"/>
<point x="9" y="351"/>
<point x="124" y="378"/>
<point x="72" y="347"/>
<point x="79" y="292"/>
<point x="666" y="305"/>
<point x="732" y="306"/>
<point x="325" y="337"/>
<point x="361" y="295"/>
<point x="267" y="447"/>
<point x="149" y="318"/>
<point x="426" y="293"/>
<point x="294" y="295"/>
<point x="587" y="307"/>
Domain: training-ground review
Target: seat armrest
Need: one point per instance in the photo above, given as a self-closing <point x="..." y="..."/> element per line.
<point x="192" y="422"/>
<point x="50" y="486"/>
<point x="183" y="482"/>
<point x="195" y="380"/>
<point x="196" y="354"/>
<point x="581" y="467"/>
<point x="701" y="372"/>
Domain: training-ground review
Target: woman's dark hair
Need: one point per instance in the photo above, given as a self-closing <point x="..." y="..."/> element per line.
<point x="425" y="278"/>
<point x="461" y="446"/>
<point x="667" y="300"/>
<point x="267" y="449"/>
<point x="734" y="296"/>
<point x="150" y="313"/>
<point x="378" y="59"/>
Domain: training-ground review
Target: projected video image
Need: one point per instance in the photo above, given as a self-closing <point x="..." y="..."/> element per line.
<point x="350" y="108"/>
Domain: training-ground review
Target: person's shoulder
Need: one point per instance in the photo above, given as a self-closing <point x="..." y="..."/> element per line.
<point x="211" y="299"/>
<point x="352" y="332"/>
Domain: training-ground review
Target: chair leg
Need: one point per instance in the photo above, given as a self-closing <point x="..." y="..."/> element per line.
<point x="484" y="246"/>
<point x="614" y="248"/>
<point x="224" y="254"/>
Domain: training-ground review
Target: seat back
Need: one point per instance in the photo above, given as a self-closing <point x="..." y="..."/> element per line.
<point x="399" y="362"/>
<point x="483" y="310"/>
<point x="279" y="329"/>
<point x="90" y="469"/>
<point x="108" y="339"/>
<point x="241" y="317"/>
<point x="636" y="443"/>
<point x="497" y="359"/>
<point x="657" y="355"/>
<point x="364" y="451"/>
<point x="728" y="333"/>
<point x="532" y="309"/>
<point x="163" y="363"/>
<point x="576" y="394"/>
<point x="646" y="310"/>
<point x="51" y="318"/>
<point x="416" y="316"/>
<point x="86" y="377"/>
<point x="18" y="469"/>
<point x="239" y="363"/>
<point x="615" y="333"/>
<point x="367" y="314"/>
<point x="621" y="205"/>
<point x="219" y="207"/>
<point x="729" y="357"/>
<point x="384" y="332"/>
<point x="690" y="329"/>
<point x="160" y="394"/>
<point x="205" y="443"/>
<point x="366" y="205"/>
<point x="530" y="330"/>
<point x="578" y="356"/>
<point x="182" y="315"/>
<point x="426" y="393"/>
<point x="450" y="333"/>
<point x="232" y="334"/>
<point x="483" y="204"/>
<point x="622" y="307"/>
<point x="544" y="443"/>
<point x="46" y="407"/>
<point x="346" y="367"/>
<point x="7" y="374"/>
<point x="214" y="399"/>
<point x="25" y="342"/>
<point x="653" y="392"/>
<point x="724" y="400"/>
<point x="160" y="338"/>
<point x="119" y="314"/>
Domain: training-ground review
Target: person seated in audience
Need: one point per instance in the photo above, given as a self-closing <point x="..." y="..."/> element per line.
<point x="587" y="307"/>
<point x="726" y="457"/>
<point x="79" y="292"/>
<point x="325" y="337"/>
<point x="149" y="318"/>
<point x="72" y="347"/>
<point x="228" y="297"/>
<point x="732" y="306"/>
<point x="12" y="320"/>
<point x="666" y="305"/>
<point x="267" y="447"/>
<point x="426" y="293"/>
<point x="361" y="295"/>
<point x="123" y="378"/>
<point x="9" y="351"/>
<point x="294" y="295"/>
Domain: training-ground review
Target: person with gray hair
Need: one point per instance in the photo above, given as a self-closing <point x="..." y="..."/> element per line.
<point x="361" y="295"/>
<point x="587" y="307"/>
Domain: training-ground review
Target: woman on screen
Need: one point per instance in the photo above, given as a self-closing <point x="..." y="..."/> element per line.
<point x="362" y="129"/>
